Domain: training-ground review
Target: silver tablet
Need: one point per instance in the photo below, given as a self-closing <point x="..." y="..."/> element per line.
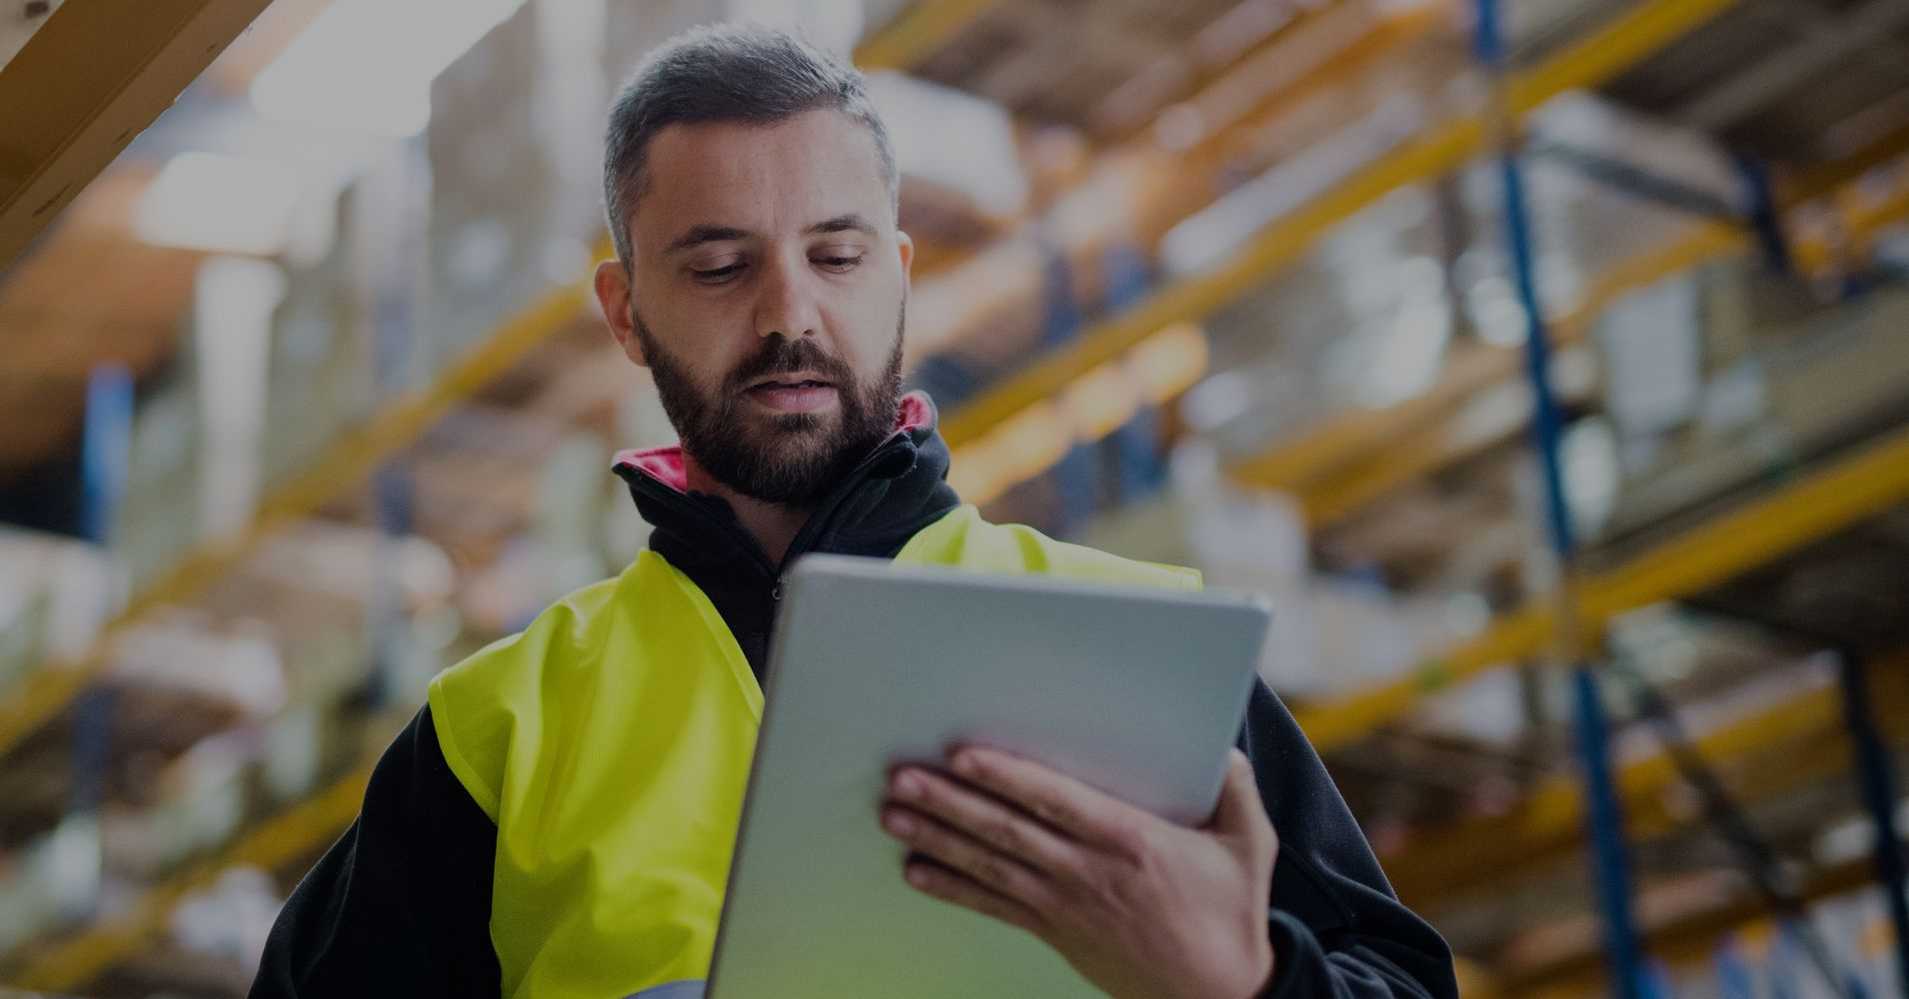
<point x="1138" y="692"/>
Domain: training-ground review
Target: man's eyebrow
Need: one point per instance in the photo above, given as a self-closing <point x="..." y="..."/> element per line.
<point x="850" y="222"/>
<point x="698" y="235"/>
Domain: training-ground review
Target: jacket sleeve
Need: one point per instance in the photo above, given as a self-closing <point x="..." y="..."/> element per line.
<point x="400" y="905"/>
<point x="1337" y="929"/>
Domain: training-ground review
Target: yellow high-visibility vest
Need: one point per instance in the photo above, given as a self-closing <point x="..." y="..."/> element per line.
<point x="611" y="743"/>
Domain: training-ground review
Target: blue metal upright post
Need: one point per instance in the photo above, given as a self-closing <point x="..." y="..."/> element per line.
<point x="1734" y="980"/>
<point x="1606" y="818"/>
<point x="1075" y="477"/>
<point x="396" y="499"/>
<point x="1879" y="794"/>
<point x="1765" y="219"/>
<point x="106" y="433"/>
<point x="1607" y="839"/>
<point x="1135" y="444"/>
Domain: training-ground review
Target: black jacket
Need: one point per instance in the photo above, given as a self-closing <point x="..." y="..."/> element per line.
<point x="400" y="906"/>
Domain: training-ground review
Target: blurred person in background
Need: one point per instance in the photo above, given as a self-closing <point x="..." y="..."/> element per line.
<point x="558" y="819"/>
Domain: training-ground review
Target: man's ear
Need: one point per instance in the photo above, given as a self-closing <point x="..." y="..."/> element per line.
<point x="613" y="294"/>
<point x="905" y="247"/>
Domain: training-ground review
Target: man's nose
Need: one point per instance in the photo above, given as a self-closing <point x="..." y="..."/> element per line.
<point x="787" y="304"/>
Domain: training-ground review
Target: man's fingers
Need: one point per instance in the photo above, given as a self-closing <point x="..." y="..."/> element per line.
<point x="984" y="818"/>
<point x="1240" y="814"/>
<point x="933" y="879"/>
<point x="995" y="871"/>
<point x="1082" y="812"/>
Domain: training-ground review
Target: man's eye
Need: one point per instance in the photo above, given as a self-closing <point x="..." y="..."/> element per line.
<point x="836" y="263"/>
<point x="717" y="275"/>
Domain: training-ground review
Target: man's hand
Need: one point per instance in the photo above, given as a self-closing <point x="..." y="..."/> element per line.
<point x="1139" y="906"/>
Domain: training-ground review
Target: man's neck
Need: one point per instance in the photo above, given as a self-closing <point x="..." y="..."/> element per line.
<point x="773" y="525"/>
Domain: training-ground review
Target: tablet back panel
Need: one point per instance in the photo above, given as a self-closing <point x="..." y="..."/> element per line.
<point x="1138" y="692"/>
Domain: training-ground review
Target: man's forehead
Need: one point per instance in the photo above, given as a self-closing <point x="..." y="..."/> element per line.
<point x="795" y="172"/>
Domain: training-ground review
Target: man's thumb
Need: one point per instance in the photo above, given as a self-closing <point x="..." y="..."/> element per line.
<point x="1239" y="812"/>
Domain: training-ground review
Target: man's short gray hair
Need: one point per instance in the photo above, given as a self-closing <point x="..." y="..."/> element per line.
<point x="725" y="73"/>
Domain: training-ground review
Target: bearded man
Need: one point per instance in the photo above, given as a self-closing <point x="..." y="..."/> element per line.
<point x="557" y="821"/>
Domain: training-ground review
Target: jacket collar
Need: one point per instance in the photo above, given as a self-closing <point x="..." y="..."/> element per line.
<point x="896" y="491"/>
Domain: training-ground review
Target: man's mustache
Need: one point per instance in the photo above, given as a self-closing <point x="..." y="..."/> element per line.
<point x="780" y="354"/>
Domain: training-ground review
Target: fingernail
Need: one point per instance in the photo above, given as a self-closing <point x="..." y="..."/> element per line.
<point x="915" y="875"/>
<point x="906" y="786"/>
<point x="899" y="824"/>
<point x="965" y="764"/>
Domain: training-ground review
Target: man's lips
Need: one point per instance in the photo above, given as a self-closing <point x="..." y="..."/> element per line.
<point x="794" y="392"/>
<point x="791" y="379"/>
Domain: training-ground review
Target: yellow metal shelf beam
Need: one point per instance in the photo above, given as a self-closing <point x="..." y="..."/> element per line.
<point x="1417" y="449"/>
<point x="1549" y="823"/>
<point x="1475" y="981"/>
<point x="1365" y="436"/>
<point x="89" y="80"/>
<point x="297" y="832"/>
<point x="1841" y="495"/>
<point x="1689" y="937"/>
<point x="1630" y="39"/>
<point x="338" y="468"/>
<point x="918" y="32"/>
<point x="1360" y="446"/>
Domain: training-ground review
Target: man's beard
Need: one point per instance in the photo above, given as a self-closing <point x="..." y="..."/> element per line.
<point x="795" y="461"/>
